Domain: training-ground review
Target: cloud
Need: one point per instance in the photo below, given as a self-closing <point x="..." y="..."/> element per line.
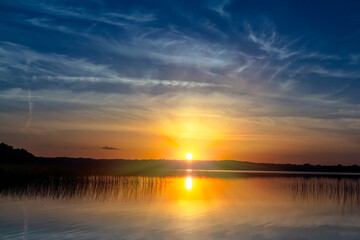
<point x="107" y="17"/>
<point x="30" y="107"/>
<point x="135" y="16"/>
<point x="219" y="6"/>
<point x="321" y="56"/>
<point x="110" y="148"/>
<point x="54" y="71"/>
<point x="271" y="43"/>
<point x="288" y="85"/>
<point x="336" y="73"/>
<point x="175" y="48"/>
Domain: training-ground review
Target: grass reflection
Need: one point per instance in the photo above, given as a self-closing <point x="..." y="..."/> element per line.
<point x="341" y="193"/>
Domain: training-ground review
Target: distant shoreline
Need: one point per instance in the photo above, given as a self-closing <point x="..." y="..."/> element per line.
<point x="19" y="160"/>
<point x="272" y="172"/>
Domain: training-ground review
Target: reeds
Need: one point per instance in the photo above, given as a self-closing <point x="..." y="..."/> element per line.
<point x="343" y="193"/>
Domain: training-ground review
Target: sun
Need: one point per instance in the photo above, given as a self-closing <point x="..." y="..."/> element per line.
<point x="189" y="156"/>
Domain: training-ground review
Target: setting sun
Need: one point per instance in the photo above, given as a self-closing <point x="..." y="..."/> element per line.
<point x="189" y="156"/>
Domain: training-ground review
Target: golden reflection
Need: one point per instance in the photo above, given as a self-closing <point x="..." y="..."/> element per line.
<point x="188" y="183"/>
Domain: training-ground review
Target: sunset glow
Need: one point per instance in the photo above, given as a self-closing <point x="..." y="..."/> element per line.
<point x="221" y="119"/>
<point x="132" y="80"/>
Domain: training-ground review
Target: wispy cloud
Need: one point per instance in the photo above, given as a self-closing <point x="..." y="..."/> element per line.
<point x="111" y="18"/>
<point x="30" y="113"/>
<point x="110" y="148"/>
<point x="288" y="84"/>
<point x="336" y="73"/>
<point x="52" y="68"/>
<point x="271" y="43"/>
<point x="175" y="48"/>
<point x="219" y="6"/>
<point x="135" y="16"/>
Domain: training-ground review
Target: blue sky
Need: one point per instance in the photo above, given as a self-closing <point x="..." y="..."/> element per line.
<point x="261" y="73"/>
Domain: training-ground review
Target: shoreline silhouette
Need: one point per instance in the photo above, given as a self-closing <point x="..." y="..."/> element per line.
<point x="19" y="161"/>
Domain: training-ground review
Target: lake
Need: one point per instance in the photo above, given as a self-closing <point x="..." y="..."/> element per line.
<point x="187" y="205"/>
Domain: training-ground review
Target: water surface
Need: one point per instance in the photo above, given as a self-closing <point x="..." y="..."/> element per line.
<point x="186" y="206"/>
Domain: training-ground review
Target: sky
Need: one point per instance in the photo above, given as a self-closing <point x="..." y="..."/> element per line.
<point x="260" y="81"/>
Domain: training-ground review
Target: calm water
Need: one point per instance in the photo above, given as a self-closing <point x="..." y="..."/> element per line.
<point x="182" y="207"/>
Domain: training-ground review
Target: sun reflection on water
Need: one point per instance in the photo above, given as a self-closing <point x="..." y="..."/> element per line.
<point x="188" y="183"/>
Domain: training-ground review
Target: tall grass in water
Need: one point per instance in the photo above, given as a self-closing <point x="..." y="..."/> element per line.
<point x="340" y="193"/>
<point x="103" y="188"/>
